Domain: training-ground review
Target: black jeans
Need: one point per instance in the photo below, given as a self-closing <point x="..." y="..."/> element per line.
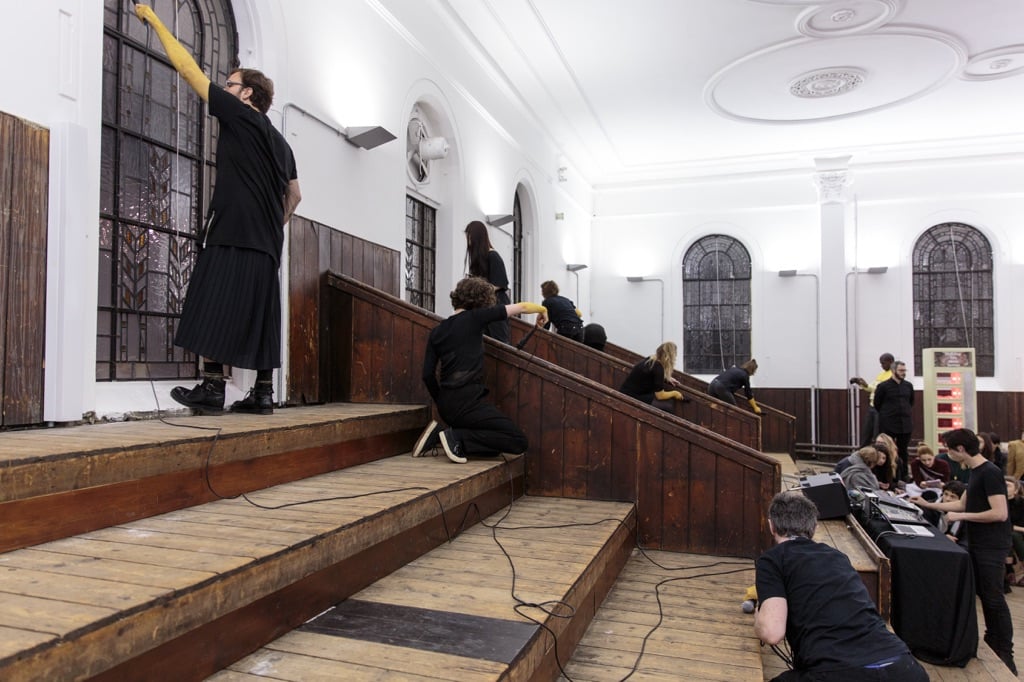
<point x="989" y="570"/>
<point x="479" y="426"/>
<point x="905" y="668"/>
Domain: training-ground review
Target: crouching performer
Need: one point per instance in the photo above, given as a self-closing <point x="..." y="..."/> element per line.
<point x="474" y="426"/>
<point x="810" y="594"/>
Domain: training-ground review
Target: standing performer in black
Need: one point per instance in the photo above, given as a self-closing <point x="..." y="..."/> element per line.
<point x="475" y="427"/>
<point x="232" y="311"/>
<point x="484" y="261"/>
<point x="894" y="400"/>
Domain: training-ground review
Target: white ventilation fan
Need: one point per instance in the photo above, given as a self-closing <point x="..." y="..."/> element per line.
<point x="422" y="149"/>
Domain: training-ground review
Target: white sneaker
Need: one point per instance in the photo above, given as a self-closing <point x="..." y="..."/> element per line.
<point x="423" y="442"/>
<point x="452" y="447"/>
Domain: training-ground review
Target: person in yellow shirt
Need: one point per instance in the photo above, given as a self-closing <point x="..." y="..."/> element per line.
<point x="869" y="428"/>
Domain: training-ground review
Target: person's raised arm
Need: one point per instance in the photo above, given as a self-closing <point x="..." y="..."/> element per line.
<point x="180" y="58"/>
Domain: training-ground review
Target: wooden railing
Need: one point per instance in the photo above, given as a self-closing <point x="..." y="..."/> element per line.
<point x="742" y="426"/>
<point x="778" y="430"/>
<point x="695" y="490"/>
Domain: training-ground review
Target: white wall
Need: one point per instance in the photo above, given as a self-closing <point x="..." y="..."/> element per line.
<point x="646" y="231"/>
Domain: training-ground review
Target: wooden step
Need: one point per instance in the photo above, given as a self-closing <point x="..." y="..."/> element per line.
<point x="452" y="614"/>
<point x="683" y="615"/>
<point x="60" y="482"/>
<point x="180" y="595"/>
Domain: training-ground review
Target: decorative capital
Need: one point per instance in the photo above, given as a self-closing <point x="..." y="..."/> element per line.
<point x="832" y="185"/>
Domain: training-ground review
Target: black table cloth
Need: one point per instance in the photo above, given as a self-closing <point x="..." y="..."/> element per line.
<point x="933" y="607"/>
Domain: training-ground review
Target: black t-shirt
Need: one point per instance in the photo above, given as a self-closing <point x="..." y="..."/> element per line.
<point x="645" y="379"/>
<point x="831" y="621"/>
<point x="458" y="345"/>
<point x="986" y="480"/>
<point x="562" y="314"/>
<point x="254" y="166"/>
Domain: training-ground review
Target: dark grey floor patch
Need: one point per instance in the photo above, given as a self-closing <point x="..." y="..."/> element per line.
<point x="491" y="639"/>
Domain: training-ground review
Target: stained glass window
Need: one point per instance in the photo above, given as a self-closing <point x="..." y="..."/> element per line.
<point x="953" y="302"/>
<point x="716" y="305"/>
<point x="157" y="156"/>
<point x="420" y="251"/>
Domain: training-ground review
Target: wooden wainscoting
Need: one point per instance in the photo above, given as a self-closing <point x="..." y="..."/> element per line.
<point x="695" y="490"/>
<point x="314" y="249"/>
<point x="24" y="186"/>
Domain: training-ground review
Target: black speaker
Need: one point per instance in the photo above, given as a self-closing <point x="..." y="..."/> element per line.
<point x="828" y="494"/>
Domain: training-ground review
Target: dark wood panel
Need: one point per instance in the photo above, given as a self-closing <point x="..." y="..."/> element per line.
<point x="315" y="249"/>
<point x="23" y="203"/>
<point x="586" y="440"/>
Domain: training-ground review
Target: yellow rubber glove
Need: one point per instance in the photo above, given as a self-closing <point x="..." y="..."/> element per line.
<point x="668" y="395"/>
<point x="180" y="58"/>
<point x="579" y="314"/>
<point x="754" y="406"/>
<point x="531" y="308"/>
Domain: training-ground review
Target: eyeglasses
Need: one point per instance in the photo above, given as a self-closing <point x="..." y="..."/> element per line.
<point x="229" y="84"/>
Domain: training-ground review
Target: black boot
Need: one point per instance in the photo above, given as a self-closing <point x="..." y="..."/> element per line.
<point x="204" y="398"/>
<point x="259" y="400"/>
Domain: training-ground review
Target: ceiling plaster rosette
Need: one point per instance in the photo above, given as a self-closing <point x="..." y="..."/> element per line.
<point x="846" y="18"/>
<point x="788" y="82"/>
<point x="1003" y="62"/>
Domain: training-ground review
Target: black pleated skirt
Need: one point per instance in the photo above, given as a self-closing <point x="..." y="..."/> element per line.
<point x="232" y="311"/>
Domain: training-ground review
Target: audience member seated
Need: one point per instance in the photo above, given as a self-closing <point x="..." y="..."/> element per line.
<point x="927" y="471"/>
<point x="990" y="452"/>
<point x="951" y="492"/>
<point x="1015" y="507"/>
<point x="957" y="472"/>
<point x="858" y="475"/>
<point x="1015" y="458"/>
<point x="885" y="470"/>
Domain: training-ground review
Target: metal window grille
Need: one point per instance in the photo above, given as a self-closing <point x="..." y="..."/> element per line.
<point x="420" y="252"/>
<point x="716" y="305"/>
<point x="953" y="294"/>
<point x="156" y="172"/>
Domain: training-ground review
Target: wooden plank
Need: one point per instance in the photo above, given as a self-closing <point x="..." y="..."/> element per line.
<point x="25" y="272"/>
<point x="8" y="126"/>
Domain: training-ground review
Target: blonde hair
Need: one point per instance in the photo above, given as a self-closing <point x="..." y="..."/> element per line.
<point x="665" y="355"/>
<point x="894" y="452"/>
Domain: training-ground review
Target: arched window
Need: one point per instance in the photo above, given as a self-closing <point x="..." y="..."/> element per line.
<point x="953" y="294"/>
<point x="517" y="250"/>
<point x="716" y="305"/>
<point x="156" y="173"/>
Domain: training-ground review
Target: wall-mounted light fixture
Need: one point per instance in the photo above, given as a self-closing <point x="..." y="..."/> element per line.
<point x="787" y="273"/>
<point x="662" y="308"/>
<point x="878" y="270"/>
<point x="575" y="268"/>
<point x="368" y="137"/>
<point x="499" y="219"/>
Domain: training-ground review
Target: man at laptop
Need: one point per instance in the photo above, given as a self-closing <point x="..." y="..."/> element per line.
<point x="984" y="512"/>
<point x="811" y="595"/>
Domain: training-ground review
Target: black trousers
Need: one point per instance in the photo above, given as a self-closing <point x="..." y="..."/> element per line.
<point x="479" y="426"/>
<point x="869" y="429"/>
<point x="717" y="390"/>
<point x="903" y="669"/>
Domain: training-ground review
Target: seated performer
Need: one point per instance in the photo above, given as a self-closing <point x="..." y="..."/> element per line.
<point x="475" y="427"/>
<point x="927" y="471"/>
<point x="810" y="594"/>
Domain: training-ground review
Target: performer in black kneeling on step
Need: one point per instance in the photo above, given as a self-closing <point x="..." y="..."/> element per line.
<point x="455" y="351"/>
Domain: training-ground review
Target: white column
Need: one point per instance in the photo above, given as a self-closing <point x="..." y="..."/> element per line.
<point x="832" y="179"/>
